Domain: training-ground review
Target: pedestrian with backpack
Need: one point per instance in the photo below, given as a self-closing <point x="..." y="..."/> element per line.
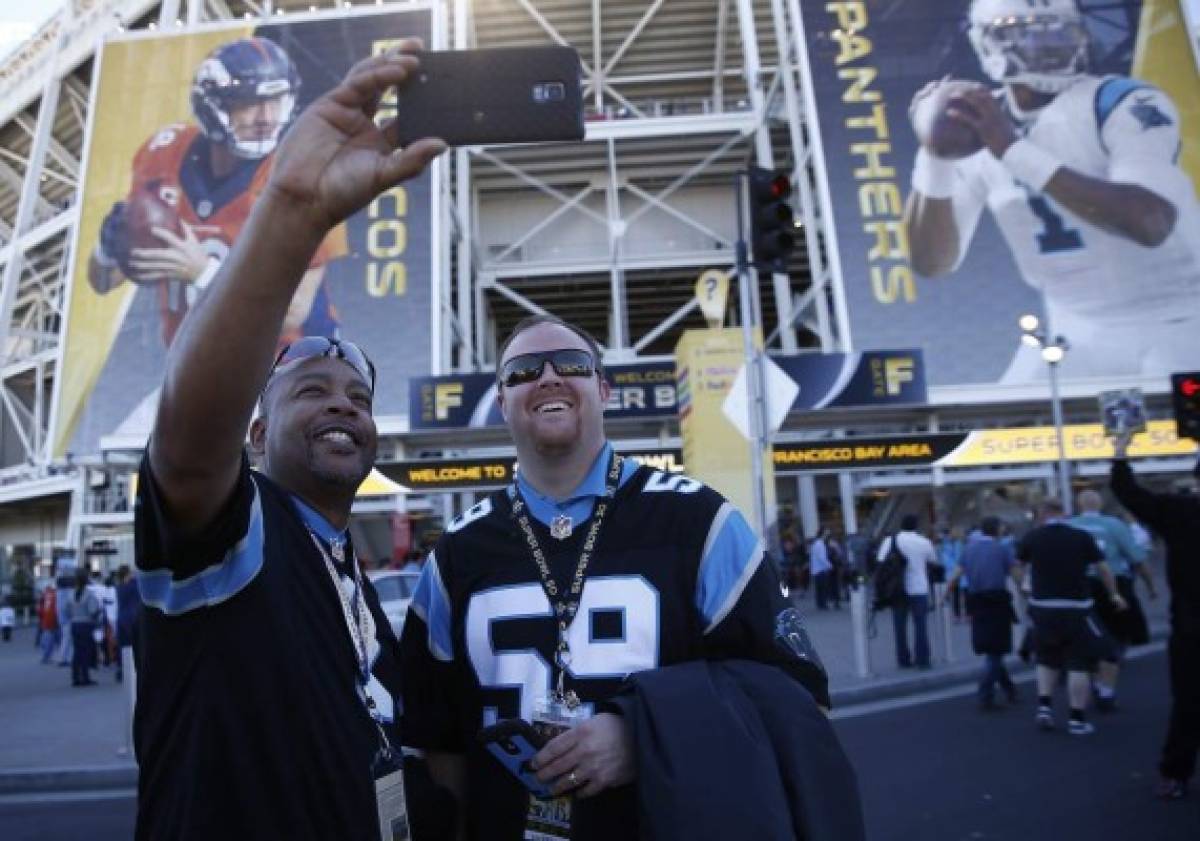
<point x="916" y="551"/>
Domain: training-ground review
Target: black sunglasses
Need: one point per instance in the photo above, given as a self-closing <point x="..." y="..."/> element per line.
<point x="528" y="367"/>
<point x="311" y="347"/>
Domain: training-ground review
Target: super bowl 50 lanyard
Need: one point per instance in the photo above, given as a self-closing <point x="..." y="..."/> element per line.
<point x="361" y="627"/>
<point x="566" y="605"/>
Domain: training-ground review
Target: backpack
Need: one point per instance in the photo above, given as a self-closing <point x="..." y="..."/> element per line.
<point x="888" y="582"/>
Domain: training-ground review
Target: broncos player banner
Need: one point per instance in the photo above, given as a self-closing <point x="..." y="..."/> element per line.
<point x="183" y="131"/>
<point x="1061" y="146"/>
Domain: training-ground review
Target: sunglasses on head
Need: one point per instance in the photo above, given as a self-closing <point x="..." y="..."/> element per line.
<point x="528" y="367"/>
<point x="311" y="347"/>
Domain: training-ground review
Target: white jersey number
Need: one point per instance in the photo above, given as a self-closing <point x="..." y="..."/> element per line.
<point x="527" y="671"/>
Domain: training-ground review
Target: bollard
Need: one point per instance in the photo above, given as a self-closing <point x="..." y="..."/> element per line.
<point x="943" y="622"/>
<point x="858" y="621"/>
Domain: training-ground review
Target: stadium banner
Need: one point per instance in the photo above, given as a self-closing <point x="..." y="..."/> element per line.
<point x="716" y="452"/>
<point x="647" y="389"/>
<point x="464" y="474"/>
<point x="981" y="448"/>
<point x="456" y="401"/>
<point x="182" y="131"/>
<point x="1103" y="89"/>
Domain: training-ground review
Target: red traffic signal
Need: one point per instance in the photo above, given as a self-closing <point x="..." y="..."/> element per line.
<point x="1185" y="399"/>
<point x="772" y="221"/>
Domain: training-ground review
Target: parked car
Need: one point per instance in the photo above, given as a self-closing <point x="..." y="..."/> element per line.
<point x="395" y="591"/>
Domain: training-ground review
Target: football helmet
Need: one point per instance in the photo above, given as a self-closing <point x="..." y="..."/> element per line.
<point x="1042" y="44"/>
<point x="239" y="74"/>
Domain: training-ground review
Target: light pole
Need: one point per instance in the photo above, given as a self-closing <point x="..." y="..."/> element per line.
<point x="1053" y="351"/>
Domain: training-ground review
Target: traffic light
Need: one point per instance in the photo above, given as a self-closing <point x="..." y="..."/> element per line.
<point x="772" y="224"/>
<point x="1185" y="394"/>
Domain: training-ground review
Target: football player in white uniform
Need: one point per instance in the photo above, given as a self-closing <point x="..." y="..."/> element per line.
<point x="1081" y="174"/>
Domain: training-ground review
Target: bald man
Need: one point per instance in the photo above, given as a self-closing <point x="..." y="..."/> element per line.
<point x="1124" y="556"/>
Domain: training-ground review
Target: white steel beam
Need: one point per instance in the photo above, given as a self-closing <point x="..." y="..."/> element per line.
<point x="464" y="219"/>
<point x="678" y="214"/>
<point x="57" y="151"/>
<point x="539" y="184"/>
<point x="630" y="38"/>
<point x="718" y="89"/>
<point x="666" y="324"/>
<point x="542" y="224"/>
<point x="619" y="314"/>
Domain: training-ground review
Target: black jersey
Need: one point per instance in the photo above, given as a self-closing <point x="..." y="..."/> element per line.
<point x="677" y="575"/>
<point x="1059" y="556"/>
<point x="249" y="721"/>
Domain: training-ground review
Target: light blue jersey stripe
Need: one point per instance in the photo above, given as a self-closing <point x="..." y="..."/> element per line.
<point x="211" y="586"/>
<point x="431" y="602"/>
<point x="732" y="554"/>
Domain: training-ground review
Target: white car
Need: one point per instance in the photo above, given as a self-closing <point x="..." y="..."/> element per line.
<point x="395" y="591"/>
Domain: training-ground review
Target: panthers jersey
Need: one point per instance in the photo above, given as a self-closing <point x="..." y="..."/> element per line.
<point x="677" y="575"/>
<point x="1119" y="130"/>
<point x="173" y="164"/>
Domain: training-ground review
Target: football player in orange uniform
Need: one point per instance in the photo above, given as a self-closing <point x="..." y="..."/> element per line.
<point x="208" y="176"/>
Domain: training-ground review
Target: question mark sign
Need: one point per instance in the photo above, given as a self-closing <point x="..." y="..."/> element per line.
<point x="711" y="283"/>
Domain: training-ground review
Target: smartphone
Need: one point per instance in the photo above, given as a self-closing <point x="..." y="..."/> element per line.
<point x="1123" y="411"/>
<point x="514" y="742"/>
<point x="502" y="95"/>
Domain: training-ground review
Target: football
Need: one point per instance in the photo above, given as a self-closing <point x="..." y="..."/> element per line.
<point x="943" y="135"/>
<point x="145" y="210"/>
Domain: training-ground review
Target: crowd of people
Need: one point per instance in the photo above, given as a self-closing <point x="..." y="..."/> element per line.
<point x="86" y="620"/>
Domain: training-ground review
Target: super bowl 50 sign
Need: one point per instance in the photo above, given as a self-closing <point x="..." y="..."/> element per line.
<point x="182" y="136"/>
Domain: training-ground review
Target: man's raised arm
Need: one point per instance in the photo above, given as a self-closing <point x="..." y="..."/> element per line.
<point x="334" y="161"/>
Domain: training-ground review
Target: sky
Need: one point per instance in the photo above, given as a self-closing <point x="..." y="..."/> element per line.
<point x="20" y="18"/>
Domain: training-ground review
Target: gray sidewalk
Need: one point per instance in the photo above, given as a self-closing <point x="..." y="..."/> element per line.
<point x="55" y="736"/>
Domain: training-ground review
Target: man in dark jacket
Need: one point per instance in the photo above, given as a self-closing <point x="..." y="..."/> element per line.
<point x="987" y="564"/>
<point x="1175" y="517"/>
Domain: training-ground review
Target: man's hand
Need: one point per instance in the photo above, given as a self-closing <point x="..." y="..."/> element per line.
<point x="598" y="752"/>
<point x="180" y="258"/>
<point x="979" y="109"/>
<point x="335" y="159"/>
<point x="1118" y="601"/>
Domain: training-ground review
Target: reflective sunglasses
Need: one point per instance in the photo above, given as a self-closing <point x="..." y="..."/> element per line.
<point x="528" y="367"/>
<point x="311" y="347"/>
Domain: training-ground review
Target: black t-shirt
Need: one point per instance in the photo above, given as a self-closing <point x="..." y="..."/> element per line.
<point x="1059" y="556"/>
<point x="249" y="721"/>
<point x="677" y="575"/>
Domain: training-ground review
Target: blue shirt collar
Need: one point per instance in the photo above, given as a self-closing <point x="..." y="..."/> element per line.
<point x="317" y="523"/>
<point x="591" y="486"/>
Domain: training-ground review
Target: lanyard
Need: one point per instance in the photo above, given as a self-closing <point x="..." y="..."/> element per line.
<point x="361" y="626"/>
<point x="566" y="605"/>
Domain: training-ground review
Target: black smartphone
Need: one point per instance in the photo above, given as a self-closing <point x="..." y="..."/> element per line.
<point x="503" y="95"/>
<point x="514" y="742"/>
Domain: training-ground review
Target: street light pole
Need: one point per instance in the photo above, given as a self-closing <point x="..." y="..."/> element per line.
<point x="1053" y="350"/>
<point x="1064" y="477"/>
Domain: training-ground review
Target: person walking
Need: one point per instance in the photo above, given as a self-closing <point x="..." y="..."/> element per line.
<point x="950" y="551"/>
<point x="8" y="619"/>
<point x="1175" y="518"/>
<point x="1125" y="558"/>
<point x="823" y="571"/>
<point x="989" y="564"/>
<point x="1066" y="635"/>
<point x="83" y="611"/>
<point x="48" y="627"/>
<point x="918" y="552"/>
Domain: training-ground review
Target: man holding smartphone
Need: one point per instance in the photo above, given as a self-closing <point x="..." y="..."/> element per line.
<point x="268" y="674"/>
<point x="588" y="568"/>
<point x="1175" y="517"/>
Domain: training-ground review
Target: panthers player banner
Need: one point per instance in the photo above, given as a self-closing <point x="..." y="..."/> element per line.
<point x="1060" y="149"/>
<point x="183" y="130"/>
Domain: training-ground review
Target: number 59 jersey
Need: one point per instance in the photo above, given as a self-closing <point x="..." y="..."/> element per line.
<point x="676" y="575"/>
<point x="1118" y="130"/>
